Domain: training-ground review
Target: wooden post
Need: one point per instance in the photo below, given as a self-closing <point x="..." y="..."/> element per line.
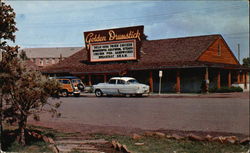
<point x="206" y="80"/>
<point x="247" y="77"/>
<point x="238" y="77"/>
<point x="178" y="82"/>
<point x="218" y="80"/>
<point x="151" y="81"/>
<point x="105" y="78"/>
<point x="242" y="77"/>
<point x="229" y="79"/>
<point x="245" y="80"/>
<point x="90" y="83"/>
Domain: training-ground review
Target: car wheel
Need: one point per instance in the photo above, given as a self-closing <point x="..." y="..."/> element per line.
<point x="77" y="95"/>
<point x="138" y="95"/>
<point x="64" y="93"/>
<point x="98" y="93"/>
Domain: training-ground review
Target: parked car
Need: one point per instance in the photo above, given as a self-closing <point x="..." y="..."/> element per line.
<point x="121" y="86"/>
<point x="77" y="82"/>
<point x="70" y="85"/>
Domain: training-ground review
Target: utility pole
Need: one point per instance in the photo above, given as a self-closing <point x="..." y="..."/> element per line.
<point x="239" y="52"/>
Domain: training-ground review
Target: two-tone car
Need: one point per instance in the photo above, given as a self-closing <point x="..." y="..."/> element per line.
<point x="121" y="86"/>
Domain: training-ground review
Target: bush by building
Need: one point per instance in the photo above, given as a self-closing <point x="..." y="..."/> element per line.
<point x="225" y="89"/>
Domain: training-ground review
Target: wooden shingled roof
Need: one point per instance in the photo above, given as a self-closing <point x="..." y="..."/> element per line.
<point x="164" y="53"/>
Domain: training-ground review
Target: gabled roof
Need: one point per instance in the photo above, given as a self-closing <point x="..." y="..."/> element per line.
<point x="174" y="52"/>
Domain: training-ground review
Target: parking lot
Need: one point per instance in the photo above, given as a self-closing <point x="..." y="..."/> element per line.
<point x="189" y="113"/>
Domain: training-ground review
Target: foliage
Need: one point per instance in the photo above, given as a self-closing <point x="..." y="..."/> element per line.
<point x="33" y="144"/>
<point x="246" y="61"/>
<point x="23" y="92"/>
<point x="226" y="89"/>
<point x="27" y="95"/>
<point x="7" y="22"/>
<point x="23" y="55"/>
<point x="7" y="30"/>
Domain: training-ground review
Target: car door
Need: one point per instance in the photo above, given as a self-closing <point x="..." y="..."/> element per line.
<point x="132" y="86"/>
<point x="110" y="87"/>
<point x="121" y="87"/>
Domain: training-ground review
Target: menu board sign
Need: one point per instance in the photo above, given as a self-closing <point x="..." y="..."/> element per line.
<point x="114" y="44"/>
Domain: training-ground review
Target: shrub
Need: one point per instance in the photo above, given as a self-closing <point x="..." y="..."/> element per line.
<point x="212" y="90"/>
<point x="226" y="89"/>
<point x="237" y="89"/>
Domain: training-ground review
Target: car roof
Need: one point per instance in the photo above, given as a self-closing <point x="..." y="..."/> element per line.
<point x="124" y="78"/>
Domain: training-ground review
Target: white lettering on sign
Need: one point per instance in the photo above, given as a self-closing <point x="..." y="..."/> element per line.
<point x="118" y="50"/>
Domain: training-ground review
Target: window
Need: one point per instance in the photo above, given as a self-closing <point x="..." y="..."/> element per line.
<point x="219" y="49"/>
<point x="112" y="81"/>
<point x="132" y="81"/>
<point x="53" y="60"/>
<point x="76" y="81"/>
<point x="47" y="61"/>
<point x="41" y="62"/>
<point x="120" y="82"/>
<point x="66" y="82"/>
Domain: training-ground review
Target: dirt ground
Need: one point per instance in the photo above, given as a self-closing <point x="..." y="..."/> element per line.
<point x="86" y="130"/>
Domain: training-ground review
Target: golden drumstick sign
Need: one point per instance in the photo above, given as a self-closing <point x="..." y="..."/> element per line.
<point x="114" y="44"/>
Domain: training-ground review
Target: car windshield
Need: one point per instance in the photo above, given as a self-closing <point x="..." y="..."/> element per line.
<point x="133" y="81"/>
<point x="76" y="81"/>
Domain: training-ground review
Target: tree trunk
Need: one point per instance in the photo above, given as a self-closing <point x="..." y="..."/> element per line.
<point x="22" y="126"/>
<point x="1" y="118"/>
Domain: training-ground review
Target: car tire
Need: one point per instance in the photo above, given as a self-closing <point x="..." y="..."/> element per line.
<point x="64" y="93"/>
<point x="77" y="95"/>
<point x="138" y="95"/>
<point x="98" y="93"/>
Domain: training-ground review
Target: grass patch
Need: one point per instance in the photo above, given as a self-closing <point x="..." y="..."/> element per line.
<point x="9" y="143"/>
<point x="164" y="145"/>
<point x="35" y="147"/>
<point x="152" y="144"/>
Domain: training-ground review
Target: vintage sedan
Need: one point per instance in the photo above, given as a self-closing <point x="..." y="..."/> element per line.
<point x="121" y="86"/>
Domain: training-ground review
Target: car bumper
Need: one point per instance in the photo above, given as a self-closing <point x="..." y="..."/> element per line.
<point x="146" y="91"/>
<point x="77" y="92"/>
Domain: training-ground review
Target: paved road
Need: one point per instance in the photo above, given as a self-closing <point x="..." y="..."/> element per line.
<point x="202" y="114"/>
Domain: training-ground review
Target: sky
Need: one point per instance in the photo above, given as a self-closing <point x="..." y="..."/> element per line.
<point x="62" y="23"/>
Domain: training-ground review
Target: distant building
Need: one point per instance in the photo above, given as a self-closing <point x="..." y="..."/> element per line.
<point x="48" y="56"/>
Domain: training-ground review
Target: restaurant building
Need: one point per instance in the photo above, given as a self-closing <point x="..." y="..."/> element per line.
<point x="189" y="64"/>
